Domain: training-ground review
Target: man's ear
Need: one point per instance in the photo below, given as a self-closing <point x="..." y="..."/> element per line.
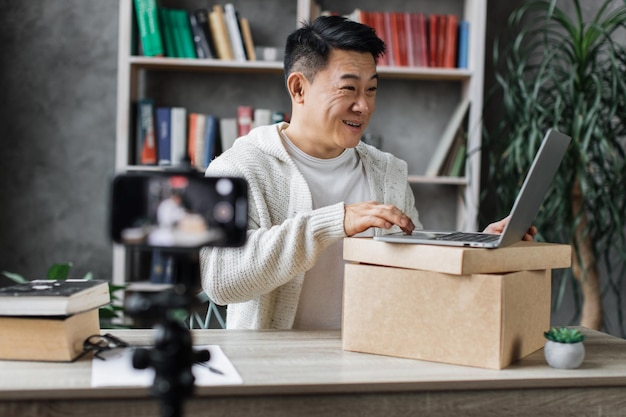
<point x="296" y="83"/>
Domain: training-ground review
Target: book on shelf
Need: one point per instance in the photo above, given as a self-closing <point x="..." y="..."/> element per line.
<point x="199" y="38"/>
<point x="149" y="27"/>
<point x="53" y="297"/>
<point x="219" y="32"/>
<point x="447" y="138"/>
<point x="47" y="338"/>
<point x="399" y="39"/>
<point x="196" y="139"/>
<point x="228" y="132"/>
<point x="457" y="159"/>
<point x="167" y="29"/>
<point x="146" y="153"/>
<point x="178" y="134"/>
<point x="279" y="116"/>
<point x="234" y="34"/>
<point x="245" y="116"/>
<point x="202" y="18"/>
<point x="262" y="117"/>
<point x="463" y="44"/>
<point x="164" y="141"/>
<point x="248" y="41"/>
<point x="183" y="37"/>
<point x="211" y="137"/>
<point x="450" y="41"/>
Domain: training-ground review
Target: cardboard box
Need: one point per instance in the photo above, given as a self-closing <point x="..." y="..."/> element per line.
<point x="477" y="319"/>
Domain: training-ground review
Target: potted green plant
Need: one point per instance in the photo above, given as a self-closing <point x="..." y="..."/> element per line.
<point x="562" y="70"/>
<point x="564" y="348"/>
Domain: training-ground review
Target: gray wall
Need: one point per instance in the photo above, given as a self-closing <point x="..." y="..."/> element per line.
<point x="58" y="87"/>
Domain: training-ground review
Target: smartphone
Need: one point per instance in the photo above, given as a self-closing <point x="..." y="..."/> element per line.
<point x="174" y="210"/>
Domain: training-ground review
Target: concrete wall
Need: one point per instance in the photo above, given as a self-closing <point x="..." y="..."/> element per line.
<point x="58" y="89"/>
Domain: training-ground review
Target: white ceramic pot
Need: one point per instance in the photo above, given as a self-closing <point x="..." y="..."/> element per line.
<point x="564" y="355"/>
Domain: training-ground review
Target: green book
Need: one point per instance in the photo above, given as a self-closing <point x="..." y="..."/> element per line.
<point x="185" y="34"/>
<point x="168" y="34"/>
<point x="149" y="27"/>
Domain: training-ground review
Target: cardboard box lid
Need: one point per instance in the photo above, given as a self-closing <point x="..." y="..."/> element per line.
<point x="522" y="256"/>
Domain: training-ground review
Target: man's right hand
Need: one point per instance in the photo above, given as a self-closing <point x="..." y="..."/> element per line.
<point x="361" y="216"/>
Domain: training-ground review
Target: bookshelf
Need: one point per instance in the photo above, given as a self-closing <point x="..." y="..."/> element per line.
<point x="413" y="105"/>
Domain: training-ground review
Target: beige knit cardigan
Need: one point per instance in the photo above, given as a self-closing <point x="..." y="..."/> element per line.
<point x="261" y="281"/>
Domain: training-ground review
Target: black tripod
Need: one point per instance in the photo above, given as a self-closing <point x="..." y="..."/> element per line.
<point x="172" y="356"/>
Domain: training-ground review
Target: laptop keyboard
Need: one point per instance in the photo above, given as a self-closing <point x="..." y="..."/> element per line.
<point x="468" y="237"/>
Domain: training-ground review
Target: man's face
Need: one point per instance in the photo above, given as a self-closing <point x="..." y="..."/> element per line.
<point x="339" y="102"/>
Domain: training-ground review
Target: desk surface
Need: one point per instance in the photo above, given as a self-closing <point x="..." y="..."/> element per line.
<point x="300" y="362"/>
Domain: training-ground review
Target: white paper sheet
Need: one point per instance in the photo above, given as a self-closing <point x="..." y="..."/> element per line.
<point x="118" y="371"/>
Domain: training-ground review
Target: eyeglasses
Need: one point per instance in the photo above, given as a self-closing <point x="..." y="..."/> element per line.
<point x="99" y="343"/>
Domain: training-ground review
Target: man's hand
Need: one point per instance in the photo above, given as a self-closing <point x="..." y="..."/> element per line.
<point x="498" y="227"/>
<point x="361" y="216"/>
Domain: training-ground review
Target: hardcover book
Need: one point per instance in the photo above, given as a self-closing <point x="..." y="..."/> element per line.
<point x="53" y="338"/>
<point x="149" y="27"/>
<point x="164" y="147"/>
<point x="211" y="132"/>
<point x="146" y="144"/>
<point x="234" y="34"/>
<point x="196" y="139"/>
<point x="199" y="38"/>
<point x="53" y="297"/>
<point x="202" y="17"/>
<point x="219" y="32"/>
<point x="463" y="44"/>
<point x="246" y="33"/>
<point x="178" y="134"/>
<point x="244" y="120"/>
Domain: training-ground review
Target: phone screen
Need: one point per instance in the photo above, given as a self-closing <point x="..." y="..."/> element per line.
<point x="178" y="210"/>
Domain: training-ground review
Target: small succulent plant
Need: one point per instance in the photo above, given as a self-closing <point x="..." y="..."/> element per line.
<point x="564" y="335"/>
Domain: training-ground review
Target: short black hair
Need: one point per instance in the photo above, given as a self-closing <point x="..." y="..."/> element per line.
<point x="307" y="48"/>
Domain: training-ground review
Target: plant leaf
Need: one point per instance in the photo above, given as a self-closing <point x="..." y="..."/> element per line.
<point x="59" y="271"/>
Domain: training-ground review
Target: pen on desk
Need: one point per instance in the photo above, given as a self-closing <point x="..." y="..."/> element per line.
<point x="210" y="368"/>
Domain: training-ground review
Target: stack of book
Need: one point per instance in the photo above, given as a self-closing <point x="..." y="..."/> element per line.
<point x="218" y="33"/>
<point x="48" y="320"/>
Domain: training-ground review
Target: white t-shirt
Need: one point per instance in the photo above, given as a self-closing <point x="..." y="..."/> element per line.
<point x="330" y="181"/>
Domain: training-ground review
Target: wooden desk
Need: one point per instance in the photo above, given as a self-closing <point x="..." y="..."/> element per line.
<point x="296" y="373"/>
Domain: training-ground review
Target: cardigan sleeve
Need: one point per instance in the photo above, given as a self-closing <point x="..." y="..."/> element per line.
<point x="285" y="236"/>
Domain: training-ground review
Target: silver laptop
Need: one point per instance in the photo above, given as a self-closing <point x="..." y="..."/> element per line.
<point x="524" y="209"/>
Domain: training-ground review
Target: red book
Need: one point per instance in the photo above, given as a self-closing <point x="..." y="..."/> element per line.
<point x="409" y="26"/>
<point x="378" y="23"/>
<point x="421" y="40"/>
<point x="146" y="137"/>
<point x="244" y="120"/>
<point x="388" y="27"/>
<point x="398" y="33"/>
<point x="442" y="28"/>
<point x="433" y="31"/>
<point x="450" y="42"/>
